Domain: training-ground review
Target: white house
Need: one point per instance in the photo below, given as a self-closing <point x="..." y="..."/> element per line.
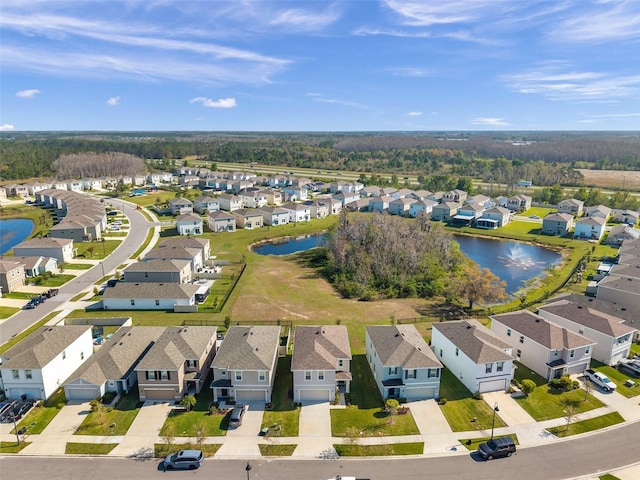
<point x="589" y="228"/>
<point x="425" y="206"/>
<point x="400" y="206"/>
<point x="298" y="212"/>
<point x="543" y="346"/>
<point x="274" y="216"/>
<point x="612" y="336"/>
<point x="380" y="204"/>
<point x="42" y="362"/>
<point x="150" y="296"/>
<point x="402" y="363"/>
<point x="230" y="203"/>
<point x="59" y="248"/>
<point x="475" y="355"/>
<point x="189" y="224"/>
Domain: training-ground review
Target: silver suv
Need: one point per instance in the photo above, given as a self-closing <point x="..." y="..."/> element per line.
<point x="184" y="460"/>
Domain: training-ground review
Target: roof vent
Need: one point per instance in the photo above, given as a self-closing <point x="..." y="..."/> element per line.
<point x="624" y="309"/>
<point x="537" y="320"/>
<point x="579" y="306"/>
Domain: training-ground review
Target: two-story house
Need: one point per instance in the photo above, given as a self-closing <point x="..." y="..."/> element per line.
<point x="445" y="211"/>
<point x="557" y="224"/>
<point x="400" y="206"/>
<point x="274" y="216"/>
<point x="248" y="219"/>
<point x="205" y="204"/>
<point x="519" y="203"/>
<point x="545" y="347"/>
<point x="161" y="270"/>
<point x="230" y="203"/>
<point x="495" y="217"/>
<point x="12" y="274"/>
<point x="572" y="206"/>
<point x="244" y="368"/>
<point x="59" y="248"/>
<point x="402" y="363"/>
<point x="189" y="224"/>
<point x="475" y="355"/>
<point x="220" y="221"/>
<point x="179" y="206"/>
<point x="420" y="206"/>
<point x="321" y="363"/>
<point x="298" y="212"/>
<point x="590" y="228"/>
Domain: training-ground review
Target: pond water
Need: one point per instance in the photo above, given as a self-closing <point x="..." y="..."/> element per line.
<point x="513" y="262"/>
<point x="14" y="231"/>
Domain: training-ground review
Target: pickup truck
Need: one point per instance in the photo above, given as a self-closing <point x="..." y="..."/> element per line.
<point x="600" y="379"/>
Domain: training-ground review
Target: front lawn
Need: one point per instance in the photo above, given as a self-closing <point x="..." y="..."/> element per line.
<point x="12" y="447"/>
<point x="284" y="412"/>
<point x="41" y="415"/>
<point x="76" y="448"/>
<point x="198" y="421"/>
<point x="387" y="449"/>
<point x="545" y="402"/>
<point x="589" y="425"/>
<point x="56" y="280"/>
<point x="78" y="266"/>
<point x="635" y="348"/>
<point x="619" y="377"/>
<point x="267" y="450"/>
<point x="472" y="444"/>
<point x="6" y="312"/>
<point x="111" y="421"/>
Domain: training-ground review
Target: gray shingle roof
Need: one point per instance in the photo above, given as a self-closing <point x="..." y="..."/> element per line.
<point x="42" y="346"/>
<point x="589" y="317"/>
<point x="474" y="339"/>
<point x="45" y="242"/>
<point x="158" y="265"/>
<point x="402" y="346"/>
<point x="174" y="252"/>
<point x="185" y="242"/>
<point x="319" y="348"/>
<point x="151" y="290"/>
<point x="248" y="348"/>
<point x="176" y="345"/>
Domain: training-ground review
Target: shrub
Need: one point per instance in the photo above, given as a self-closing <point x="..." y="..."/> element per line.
<point x="563" y="383"/>
<point x="477" y="396"/>
<point x="575" y="385"/>
<point x="442" y="401"/>
<point x="528" y="386"/>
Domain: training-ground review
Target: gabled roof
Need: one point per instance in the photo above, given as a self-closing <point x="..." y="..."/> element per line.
<point x="558" y="217"/>
<point x="571" y="201"/>
<point x="536" y="328"/>
<point x="185" y="242"/>
<point x="189" y="217"/>
<point x="273" y="210"/>
<point x="247" y="213"/>
<point x="220" y="215"/>
<point x="402" y="346"/>
<point x="173" y="252"/>
<point x="158" y="265"/>
<point x="598" y="221"/>
<point x="42" y="346"/>
<point x="151" y="290"/>
<point x="248" y="348"/>
<point x="475" y="340"/>
<point x="319" y="348"/>
<point x="589" y="317"/>
<point x="7" y="265"/>
<point x="176" y="345"/>
<point x="296" y="206"/>
<point x="625" y="284"/>
<point x="45" y="242"/>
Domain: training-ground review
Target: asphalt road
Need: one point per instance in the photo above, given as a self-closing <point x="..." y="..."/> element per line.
<point x="138" y="226"/>
<point x="588" y="455"/>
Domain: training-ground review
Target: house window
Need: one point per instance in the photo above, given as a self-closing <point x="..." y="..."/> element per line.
<point x="64" y="354"/>
<point x="307" y="376"/>
<point x="519" y="353"/>
<point x="223" y="373"/>
<point x="581" y="331"/>
<point x="164" y="375"/>
<point x="157" y="302"/>
<point x="508" y="332"/>
<point x="393" y="370"/>
<point x="521" y="338"/>
<point x="410" y="373"/>
<point x="262" y="376"/>
<point x="587" y="350"/>
<point x="151" y="375"/>
<point x="81" y="355"/>
<point x="238" y="376"/>
<point x="133" y="302"/>
<point x="15" y="374"/>
<point x="340" y="363"/>
<point x="28" y="374"/>
<point x="572" y="353"/>
<point x="433" y="373"/>
<point x="456" y="351"/>
<point x="488" y="368"/>
<point x="499" y="366"/>
<point x="440" y="352"/>
<point x="320" y="375"/>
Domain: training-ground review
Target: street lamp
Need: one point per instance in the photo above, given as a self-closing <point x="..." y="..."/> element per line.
<point x="493" y="422"/>
<point x="248" y="469"/>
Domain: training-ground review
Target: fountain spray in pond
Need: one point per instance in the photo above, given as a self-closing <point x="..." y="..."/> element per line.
<point x="519" y="259"/>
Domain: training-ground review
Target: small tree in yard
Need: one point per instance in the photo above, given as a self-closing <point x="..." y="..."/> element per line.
<point x="528" y="386"/>
<point x="188" y="401"/>
<point x="201" y="432"/>
<point x="391" y="406"/>
<point x="168" y="435"/>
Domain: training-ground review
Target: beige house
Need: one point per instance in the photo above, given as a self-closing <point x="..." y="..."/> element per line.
<point x="159" y="271"/>
<point x="59" y="248"/>
<point x="12" y="275"/>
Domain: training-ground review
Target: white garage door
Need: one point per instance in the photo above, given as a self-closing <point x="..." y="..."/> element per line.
<point x="82" y="394"/>
<point x="577" y="369"/>
<point x="314" y="396"/>
<point x="423" y="393"/>
<point x="246" y="396"/>
<point x="31" y="393"/>
<point x="492" y="386"/>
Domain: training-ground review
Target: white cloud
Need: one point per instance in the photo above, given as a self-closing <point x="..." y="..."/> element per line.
<point x="414" y="114"/>
<point x="113" y="101"/>
<point x="489" y="121"/>
<point x="28" y="93"/>
<point x="7" y="127"/>
<point x="298" y="19"/>
<point x="409" y="72"/>
<point x="221" y="103"/>
<point x="318" y="97"/>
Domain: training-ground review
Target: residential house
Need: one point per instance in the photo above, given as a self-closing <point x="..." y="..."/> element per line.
<point x="612" y="337"/>
<point x="39" y="364"/>
<point x="420" y="206"/>
<point x="274" y="197"/>
<point x="278" y="181"/>
<point x="112" y="367"/>
<point x="12" y="275"/>
<point x="480" y="199"/>
<point x="402" y="193"/>
<point x="340" y="186"/>
<point x="620" y="233"/>
<point x="220" y="221"/>
<point x="589" y="228"/>
<point x="421" y="194"/>
<point x="623" y="291"/>
<point x="335" y="205"/>
<point x="298" y="212"/>
<point x="159" y="271"/>
<point x="457" y="196"/>
<point x="75" y="186"/>
<point x="205" y="204"/>
<point x="253" y="198"/>
<point x="545" y="347"/>
<point x="189" y="181"/>
<point x="151" y="296"/>
<point x="274" y="216"/>
<point x="474" y="355"/>
<point x="90" y="184"/>
<point x="292" y="193"/>
<point x="400" y="206"/>
<point x="468" y="214"/>
<point x="189" y="224"/>
<point x="177" y="364"/>
<point x="601" y="211"/>
<point x="380" y="204"/>
<point x="444" y="212"/>
<point x="59" y="248"/>
<point x="519" y="203"/>
<point x="402" y="363"/>
<point x="33" y="266"/>
<point x="321" y="363"/>
<point x="629" y="217"/>
<point x="370" y="191"/>
<point x="495" y="217"/>
<point x="18" y="191"/>
<point x="360" y="205"/>
<point x="230" y="203"/>
<point x="248" y="219"/>
<point x="388" y="191"/>
<point x="346" y="197"/>
<point x="557" y="224"/>
<point x="197" y="244"/>
<point x="179" y="206"/>
<point x="320" y="208"/>
<point x="572" y="206"/>
<point x="244" y="368"/>
<point x="241" y="186"/>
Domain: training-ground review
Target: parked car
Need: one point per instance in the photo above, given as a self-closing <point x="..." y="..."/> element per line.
<point x="184" y="460"/>
<point x="497" y="447"/>
<point x="600" y="379"/>
<point x="236" y="416"/>
<point x="632" y="366"/>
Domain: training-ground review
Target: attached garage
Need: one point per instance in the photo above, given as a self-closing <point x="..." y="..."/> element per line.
<point x="576" y="369"/>
<point x="314" y="396"/>
<point x="420" y="393"/>
<point x="492" y="385"/>
<point x="15" y="393"/>
<point x="167" y="394"/>
<point x="247" y="396"/>
<point x="80" y="391"/>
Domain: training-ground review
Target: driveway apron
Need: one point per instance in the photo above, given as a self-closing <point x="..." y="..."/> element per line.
<point x="433" y="426"/>
<point x="509" y="410"/>
<point x="243" y="440"/>
<point x="144" y="430"/>
<point x="315" y="431"/>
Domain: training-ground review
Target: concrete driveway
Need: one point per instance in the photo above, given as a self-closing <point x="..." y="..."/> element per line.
<point x="144" y="430"/>
<point x="509" y="410"/>
<point x="243" y="440"/>
<point x="314" y="435"/>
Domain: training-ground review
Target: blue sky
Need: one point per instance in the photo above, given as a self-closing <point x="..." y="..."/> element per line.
<point x="320" y="65"/>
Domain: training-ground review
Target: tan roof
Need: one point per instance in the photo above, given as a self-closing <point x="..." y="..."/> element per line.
<point x="176" y="345"/>
<point x="158" y="265"/>
<point x="173" y="252"/>
<point x="475" y="340"/>
<point x="319" y="348"/>
<point x="45" y="242"/>
<point x="185" y="242"/>
<point x="402" y="346"/>
<point x="248" y="348"/>
<point x="151" y="290"/>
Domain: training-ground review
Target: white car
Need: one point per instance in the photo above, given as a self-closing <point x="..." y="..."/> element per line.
<point x="600" y="379"/>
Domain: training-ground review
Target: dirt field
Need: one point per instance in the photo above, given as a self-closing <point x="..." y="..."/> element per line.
<point x="612" y="178"/>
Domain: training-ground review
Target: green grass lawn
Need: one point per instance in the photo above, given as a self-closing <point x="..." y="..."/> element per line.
<point x="588" y="425"/>
<point x="12" y="447"/>
<point x="76" y="448"/>
<point x="523" y="372"/>
<point x="539" y="211"/>
<point x="6" y="312"/>
<point x="276" y="450"/>
<point x="635" y="348"/>
<point x="18" y="295"/>
<point x="346" y="450"/>
<point x="78" y="266"/>
<point x="472" y="444"/>
<point x="114" y="421"/>
<point x="22" y="335"/>
<point x="284" y="412"/>
<point x="618" y="377"/>
<point x="545" y="402"/>
<point x="144" y="245"/>
<point x="56" y="280"/>
<point x="161" y="450"/>
<point x="41" y="415"/>
<point x="96" y="250"/>
<point x="187" y="424"/>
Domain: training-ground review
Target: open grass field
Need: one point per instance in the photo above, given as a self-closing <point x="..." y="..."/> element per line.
<point x="611" y="178"/>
